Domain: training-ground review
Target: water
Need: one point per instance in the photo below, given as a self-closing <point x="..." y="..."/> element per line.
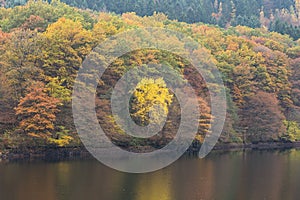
<point x="232" y="175"/>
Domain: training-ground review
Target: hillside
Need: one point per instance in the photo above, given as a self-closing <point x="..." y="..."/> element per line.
<point x="275" y="15"/>
<point x="42" y="46"/>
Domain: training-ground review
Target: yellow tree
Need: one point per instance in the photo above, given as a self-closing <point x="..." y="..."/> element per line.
<point x="66" y="43"/>
<point x="19" y="61"/>
<point x="151" y="97"/>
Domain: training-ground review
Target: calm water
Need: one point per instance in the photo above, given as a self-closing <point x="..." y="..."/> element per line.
<point x="232" y="175"/>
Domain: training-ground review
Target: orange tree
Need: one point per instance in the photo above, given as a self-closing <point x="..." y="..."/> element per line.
<point x="36" y="112"/>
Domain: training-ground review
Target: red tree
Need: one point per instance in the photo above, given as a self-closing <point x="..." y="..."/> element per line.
<point x="262" y="117"/>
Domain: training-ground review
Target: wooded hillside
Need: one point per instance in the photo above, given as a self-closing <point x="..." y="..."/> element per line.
<point x="282" y="16"/>
<point x="42" y="46"/>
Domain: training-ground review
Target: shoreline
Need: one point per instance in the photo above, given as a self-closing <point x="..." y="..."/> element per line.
<point x="69" y="153"/>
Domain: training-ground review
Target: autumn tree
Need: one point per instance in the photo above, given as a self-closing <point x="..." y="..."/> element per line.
<point x="65" y="45"/>
<point x="34" y="23"/>
<point x="151" y="97"/>
<point x="262" y="118"/>
<point x="56" y="89"/>
<point x="292" y="130"/>
<point x="47" y="42"/>
<point x="36" y="112"/>
<point x="19" y="62"/>
<point x="295" y="80"/>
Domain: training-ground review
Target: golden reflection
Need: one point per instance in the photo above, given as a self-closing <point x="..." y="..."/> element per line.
<point x="154" y="186"/>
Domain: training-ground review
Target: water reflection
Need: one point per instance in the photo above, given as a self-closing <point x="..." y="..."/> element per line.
<point x="231" y="175"/>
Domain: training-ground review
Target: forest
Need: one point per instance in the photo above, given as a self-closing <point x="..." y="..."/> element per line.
<point x="43" y="45"/>
<point x="275" y="15"/>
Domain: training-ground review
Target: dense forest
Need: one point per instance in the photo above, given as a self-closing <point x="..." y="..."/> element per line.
<point x="42" y="46"/>
<point x="281" y="16"/>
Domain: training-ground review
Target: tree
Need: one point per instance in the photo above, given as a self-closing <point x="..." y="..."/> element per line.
<point x="292" y="130"/>
<point x="295" y="81"/>
<point x="57" y="90"/>
<point x="36" y="112"/>
<point x="65" y="45"/>
<point x="34" y="23"/>
<point x="19" y="62"/>
<point x="297" y="5"/>
<point x="262" y="118"/>
<point x="149" y="94"/>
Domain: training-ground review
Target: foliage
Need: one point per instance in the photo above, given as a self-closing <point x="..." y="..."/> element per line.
<point x="36" y="112"/>
<point x="151" y="99"/>
<point x="42" y="46"/>
<point x="18" y="61"/>
<point x="62" y="137"/>
<point x="292" y="130"/>
<point x="277" y="15"/>
<point x="9" y="140"/>
<point x="262" y="118"/>
<point x="57" y="90"/>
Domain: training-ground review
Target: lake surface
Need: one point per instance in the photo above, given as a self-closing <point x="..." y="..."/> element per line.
<point x="231" y="175"/>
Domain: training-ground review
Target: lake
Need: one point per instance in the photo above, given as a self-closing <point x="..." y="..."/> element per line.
<point x="221" y="175"/>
